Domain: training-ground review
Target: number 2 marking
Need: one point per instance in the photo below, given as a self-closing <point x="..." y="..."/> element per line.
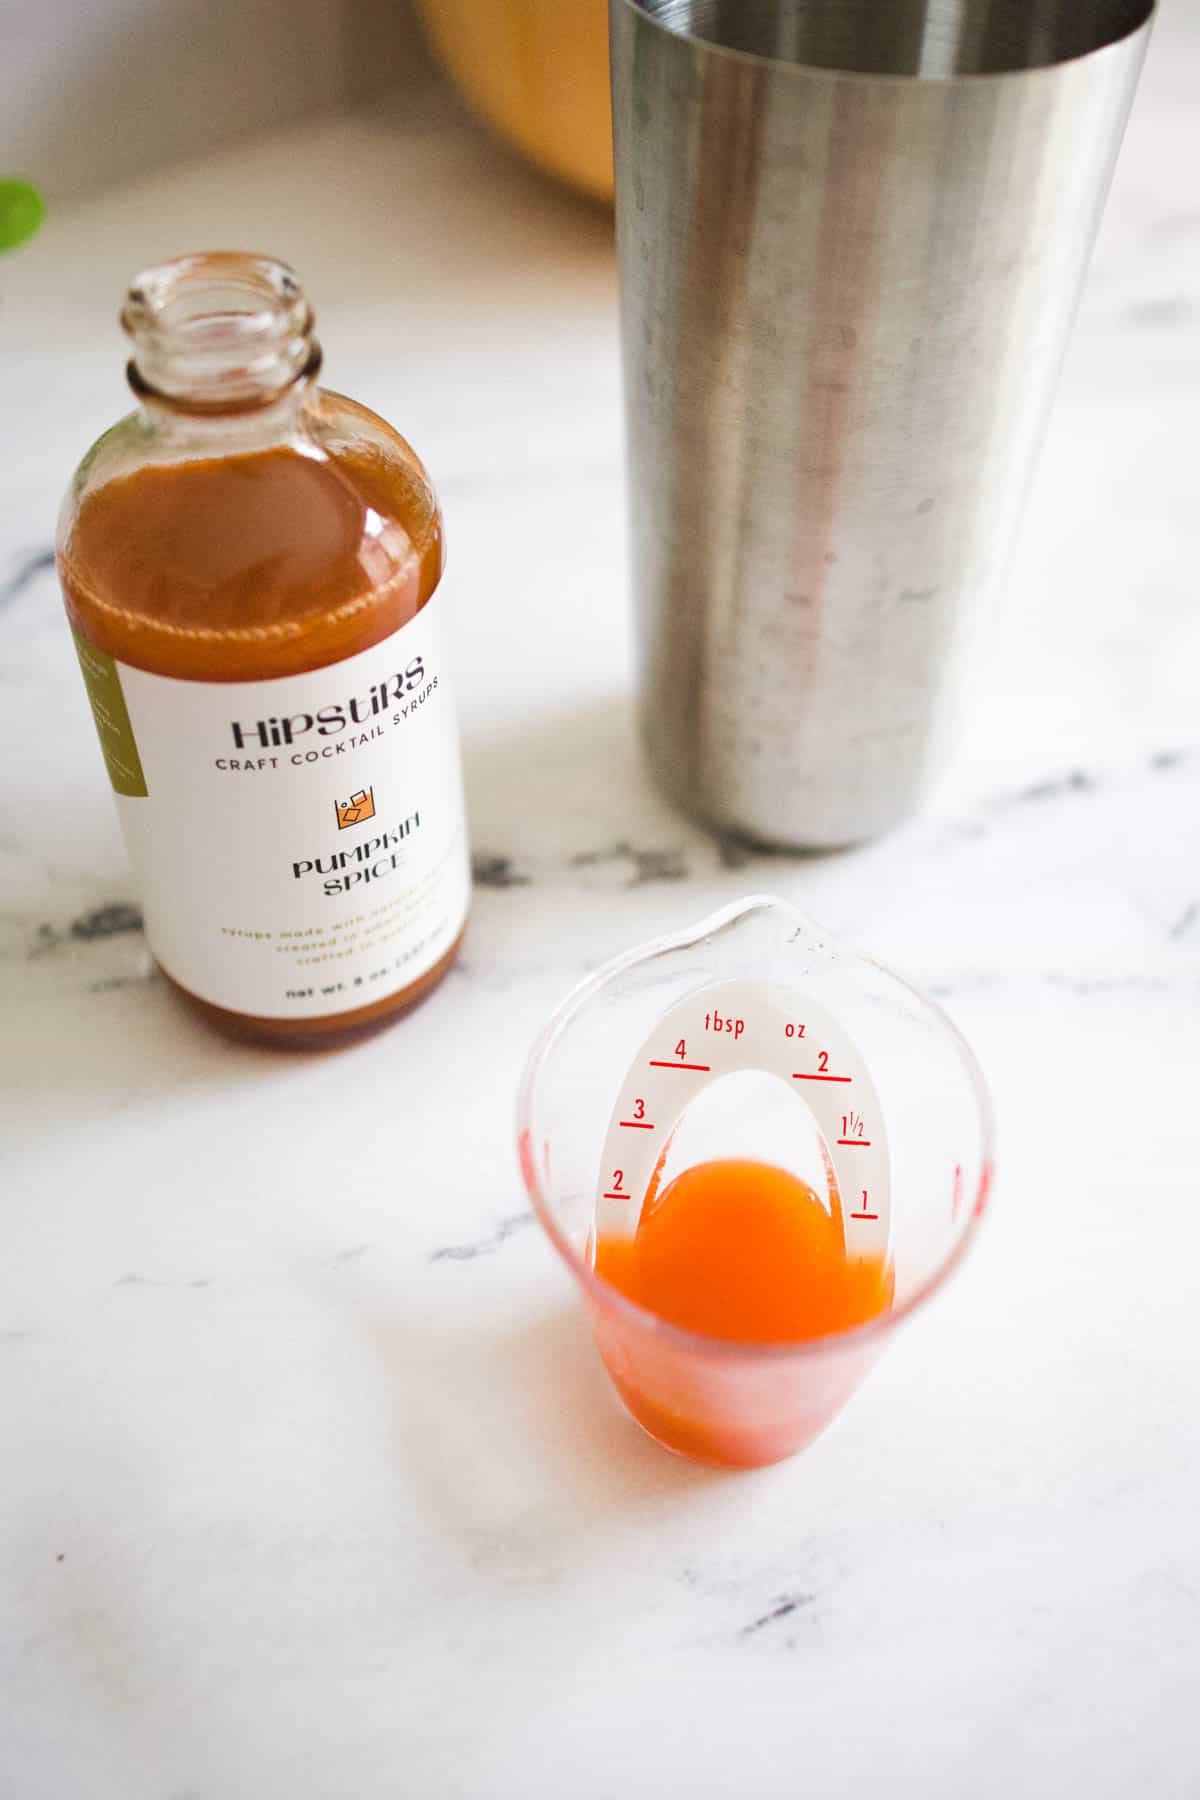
<point x="823" y="1061"/>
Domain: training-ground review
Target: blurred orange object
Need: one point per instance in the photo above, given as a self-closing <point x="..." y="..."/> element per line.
<point x="537" y="71"/>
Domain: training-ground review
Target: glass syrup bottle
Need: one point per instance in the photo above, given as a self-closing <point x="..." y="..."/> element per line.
<point x="252" y="569"/>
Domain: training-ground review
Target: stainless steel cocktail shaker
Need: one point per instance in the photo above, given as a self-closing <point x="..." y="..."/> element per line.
<point x="851" y="235"/>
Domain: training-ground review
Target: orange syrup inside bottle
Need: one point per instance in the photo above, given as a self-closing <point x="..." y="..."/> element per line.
<point x="746" y="1251"/>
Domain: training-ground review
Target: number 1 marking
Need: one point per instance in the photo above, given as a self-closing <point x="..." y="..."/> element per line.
<point x="864" y="1214"/>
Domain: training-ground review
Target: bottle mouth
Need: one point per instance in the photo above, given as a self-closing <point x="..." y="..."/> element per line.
<point x="221" y="331"/>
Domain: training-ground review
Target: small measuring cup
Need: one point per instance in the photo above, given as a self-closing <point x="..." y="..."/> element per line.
<point x="753" y="1033"/>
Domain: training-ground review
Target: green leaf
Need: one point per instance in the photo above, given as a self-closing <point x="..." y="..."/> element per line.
<point x="22" y="210"/>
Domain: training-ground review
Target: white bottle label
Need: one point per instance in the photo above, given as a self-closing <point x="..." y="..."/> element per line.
<point x="299" y="844"/>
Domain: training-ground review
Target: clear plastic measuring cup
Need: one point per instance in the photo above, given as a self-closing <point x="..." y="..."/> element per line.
<point x="753" y="1034"/>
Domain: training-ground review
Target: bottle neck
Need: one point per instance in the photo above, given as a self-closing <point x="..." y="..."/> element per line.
<point x="220" y="335"/>
<point x="185" y="431"/>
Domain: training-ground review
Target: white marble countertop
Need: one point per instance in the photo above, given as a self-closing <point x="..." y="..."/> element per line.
<point x="313" y="1485"/>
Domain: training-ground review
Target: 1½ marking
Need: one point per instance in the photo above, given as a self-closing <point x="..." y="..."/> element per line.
<point x="852" y="1131"/>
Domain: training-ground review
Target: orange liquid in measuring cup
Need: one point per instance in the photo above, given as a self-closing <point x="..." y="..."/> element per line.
<point x="744" y="1250"/>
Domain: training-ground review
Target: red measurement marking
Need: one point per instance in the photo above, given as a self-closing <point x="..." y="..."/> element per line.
<point x="630" y="1197"/>
<point x="852" y="1215"/>
<point x="704" y="1068"/>
<point x="865" y="1142"/>
<point x="822" y="1078"/>
<point x="635" y="1124"/>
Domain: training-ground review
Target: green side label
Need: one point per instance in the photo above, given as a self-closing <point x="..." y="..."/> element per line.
<point x="103" y="683"/>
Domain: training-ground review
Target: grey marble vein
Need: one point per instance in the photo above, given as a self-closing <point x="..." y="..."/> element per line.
<point x="109" y="984"/>
<point x="783" y="1608"/>
<point x="484" y="1246"/>
<point x="342" y="1257"/>
<point x="154" y="1281"/>
<point x="492" y="871"/>
<point x="27" y="571"/>
<point x="112" y="919"/>
<point x="646" y="866"/>
<point x="1184" y="925"/>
